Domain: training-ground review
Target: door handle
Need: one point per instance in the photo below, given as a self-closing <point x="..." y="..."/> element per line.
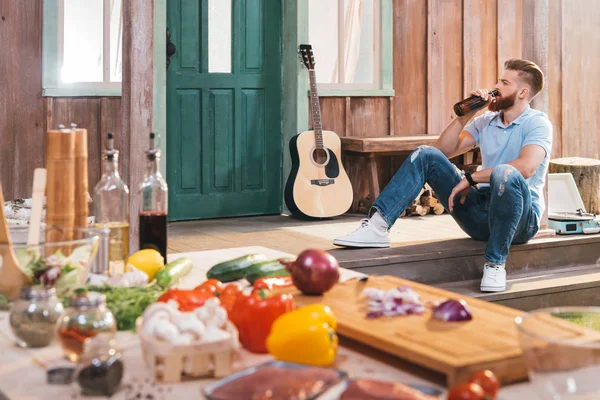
<point x="171" y="48"/>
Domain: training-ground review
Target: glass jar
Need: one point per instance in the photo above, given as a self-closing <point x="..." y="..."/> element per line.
<point x="33" y="316"/>
<point x="85" y="317"/>
<point x="100" y="368"/>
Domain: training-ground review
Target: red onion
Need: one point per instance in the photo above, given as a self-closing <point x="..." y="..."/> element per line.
<point x="387" y="303"/>
<point x="452" y="310"/>
<point x="314" y="271"/>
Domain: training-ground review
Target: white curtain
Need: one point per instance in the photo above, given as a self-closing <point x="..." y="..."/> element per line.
<point x="353" y="17"/>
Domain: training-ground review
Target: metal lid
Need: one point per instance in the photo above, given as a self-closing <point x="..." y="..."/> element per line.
<point x="91" y="299"/>
<point x="37" y="293"/>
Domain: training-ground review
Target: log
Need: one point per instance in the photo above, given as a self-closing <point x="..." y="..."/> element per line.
<point x="586" y="172"/>
<point x="438" y="209"/>
<point x="429" y="201"/>
<point x="415" y="209"/>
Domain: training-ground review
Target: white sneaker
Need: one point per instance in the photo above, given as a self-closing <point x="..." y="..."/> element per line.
<point x="494" y="278"/>
<point x="365" y="236"/>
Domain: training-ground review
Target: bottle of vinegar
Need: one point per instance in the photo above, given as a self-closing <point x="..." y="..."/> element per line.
<point x="153" y="207"/>
<point x="471" y="104"/>
<point x="111" y="208"/>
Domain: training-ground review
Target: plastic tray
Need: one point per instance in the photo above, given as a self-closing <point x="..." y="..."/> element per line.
<point x="210" y="389"/>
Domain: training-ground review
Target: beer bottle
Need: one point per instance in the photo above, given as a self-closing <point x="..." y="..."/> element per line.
<point x="471" y="104"/>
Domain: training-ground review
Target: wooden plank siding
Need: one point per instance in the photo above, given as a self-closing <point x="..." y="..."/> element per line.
<point x="22" y="139"/>
<point x="25" y="115"/>
<point x="445" y="48"/>
<point x="442" y="49"/>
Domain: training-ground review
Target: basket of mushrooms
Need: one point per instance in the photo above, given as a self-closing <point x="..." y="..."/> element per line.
<point x="197" y="343"/>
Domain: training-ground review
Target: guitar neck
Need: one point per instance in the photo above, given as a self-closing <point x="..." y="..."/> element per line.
<point x="315" y="110"/>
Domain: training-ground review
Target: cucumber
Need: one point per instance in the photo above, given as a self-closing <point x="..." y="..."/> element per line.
<point x="235" y="269"/>
<point x="173" y="272"/>
<point x="265" y="268"/>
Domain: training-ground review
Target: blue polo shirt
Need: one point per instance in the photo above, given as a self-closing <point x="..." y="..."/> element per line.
<point x="500" y="144"/>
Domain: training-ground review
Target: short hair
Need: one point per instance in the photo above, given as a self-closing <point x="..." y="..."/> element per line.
<point x="529" y="71"/>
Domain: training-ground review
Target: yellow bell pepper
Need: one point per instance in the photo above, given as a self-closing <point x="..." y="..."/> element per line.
<point x="305" y="336"/>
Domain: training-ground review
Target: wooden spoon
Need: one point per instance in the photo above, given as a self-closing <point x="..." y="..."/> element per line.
<point x="37" y="205"/>
<point x="12" y="279"/>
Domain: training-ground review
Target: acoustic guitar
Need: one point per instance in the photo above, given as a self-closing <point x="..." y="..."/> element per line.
<point x="318" y="186"/>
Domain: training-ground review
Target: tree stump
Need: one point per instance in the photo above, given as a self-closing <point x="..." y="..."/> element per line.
<point x="586" y="172"/>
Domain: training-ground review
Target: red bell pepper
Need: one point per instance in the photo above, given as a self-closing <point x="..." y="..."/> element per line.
<point x="272" y="282"/>
<point x="188" y="300"/>
<point x="254" y="314"/>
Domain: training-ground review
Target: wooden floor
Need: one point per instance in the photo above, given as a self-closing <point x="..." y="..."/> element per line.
<point x="291" y="235"/>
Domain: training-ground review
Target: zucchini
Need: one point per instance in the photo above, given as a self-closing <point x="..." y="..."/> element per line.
<point x="265" y="268"/>
<point x="173" y="272"/>
<point x="235" y="269"/>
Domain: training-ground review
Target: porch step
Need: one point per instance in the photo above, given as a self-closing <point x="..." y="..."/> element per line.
<point x="577" y="286"/>
<point x="461" y="260"/>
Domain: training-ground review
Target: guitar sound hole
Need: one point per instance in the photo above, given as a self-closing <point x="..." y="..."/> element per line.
<point x="320" y="156"/>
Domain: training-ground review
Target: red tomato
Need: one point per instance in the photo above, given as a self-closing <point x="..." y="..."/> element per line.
<point x="228" y="296"/>
<point x="488" y="382"/>
<point x="231" y="289"/>
<point x="188" y="300"/>
<point x="209" y="286"/>
<point x="467" y="391"/>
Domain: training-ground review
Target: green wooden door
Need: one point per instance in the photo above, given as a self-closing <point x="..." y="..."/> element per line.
<point x="224" y="140"/>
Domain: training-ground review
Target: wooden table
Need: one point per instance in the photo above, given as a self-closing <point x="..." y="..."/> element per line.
<point x="21" y="378"/>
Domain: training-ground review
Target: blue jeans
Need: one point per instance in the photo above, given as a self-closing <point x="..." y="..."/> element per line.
<point x="500" y="213"/>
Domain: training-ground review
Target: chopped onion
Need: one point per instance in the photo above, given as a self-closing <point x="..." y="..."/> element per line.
<point x="452" y="310"/>
<point x="398" y="301"/>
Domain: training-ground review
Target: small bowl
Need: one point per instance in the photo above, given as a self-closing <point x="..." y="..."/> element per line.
<point x="72" y="257"/>
<point x="561" y="347"/>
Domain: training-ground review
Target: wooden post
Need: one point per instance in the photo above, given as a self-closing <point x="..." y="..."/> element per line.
<point x="137" y="98"/>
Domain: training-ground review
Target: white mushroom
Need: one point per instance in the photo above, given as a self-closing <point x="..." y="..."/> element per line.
<point x="207" y="312"/>
<point x="214" y="334"/>
<point x="183" y="339"/>
<point x="155" y="315"/>
<point x="188" y="323"/>
<point x="218" y="318"/>
<point x="167" y="332"/>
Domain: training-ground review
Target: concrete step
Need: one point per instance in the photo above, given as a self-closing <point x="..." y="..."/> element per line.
<point x="575" y="286"/>
<point x="460" y="260"/>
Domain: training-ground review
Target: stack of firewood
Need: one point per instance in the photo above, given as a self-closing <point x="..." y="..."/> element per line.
<point x="425" y="203"/>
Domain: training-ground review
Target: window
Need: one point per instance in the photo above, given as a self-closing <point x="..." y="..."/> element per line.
<point x="351" y="40"/>
<point x="82" y="47"/>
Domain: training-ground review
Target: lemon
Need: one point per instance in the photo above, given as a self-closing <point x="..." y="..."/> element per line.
<point x="148" y="260"/>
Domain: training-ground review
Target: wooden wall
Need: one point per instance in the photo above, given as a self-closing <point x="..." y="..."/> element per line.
<point x="25" y="115"/>
<point x="442" y="49"/>
<point x="445" y="48"/>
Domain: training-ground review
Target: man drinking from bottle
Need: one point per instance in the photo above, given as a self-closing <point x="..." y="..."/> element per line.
<point x="503" y="203"/>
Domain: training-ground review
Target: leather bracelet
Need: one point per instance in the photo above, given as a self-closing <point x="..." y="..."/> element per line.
<point x="470" y="179"/>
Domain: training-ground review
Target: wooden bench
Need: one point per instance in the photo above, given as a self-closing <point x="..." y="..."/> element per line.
<point x="370" y="147"/>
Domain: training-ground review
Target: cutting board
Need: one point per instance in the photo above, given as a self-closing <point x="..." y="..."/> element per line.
<point x="455" y="349"/>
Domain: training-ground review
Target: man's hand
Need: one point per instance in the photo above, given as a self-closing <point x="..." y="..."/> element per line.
<point x="485" y="95"/>
<point x="463" y="188"/>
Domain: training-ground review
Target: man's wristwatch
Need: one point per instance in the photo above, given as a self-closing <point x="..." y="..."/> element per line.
<point x="470" y="179"/>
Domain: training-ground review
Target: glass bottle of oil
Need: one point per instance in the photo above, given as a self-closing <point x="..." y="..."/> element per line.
<point x="111" y="208"/>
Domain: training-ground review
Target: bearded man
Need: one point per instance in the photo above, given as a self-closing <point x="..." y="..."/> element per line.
<point x="502" y="203"/>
